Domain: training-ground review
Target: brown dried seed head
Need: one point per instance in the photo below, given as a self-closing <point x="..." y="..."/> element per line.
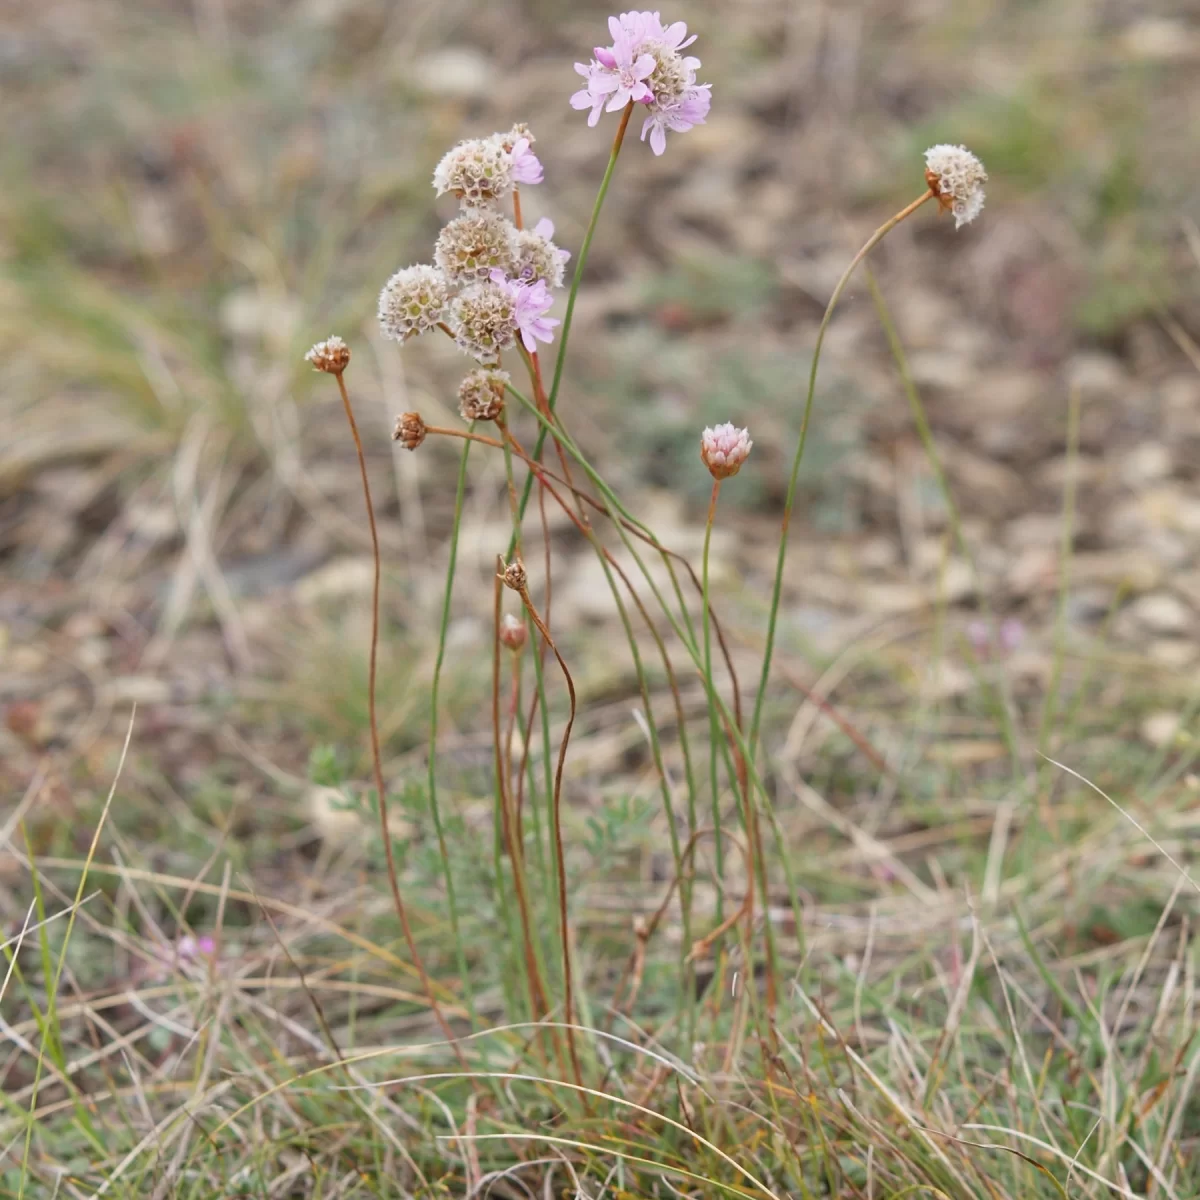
<point x="331" y="356"/>
<point x="409" y="431"/>
<point x="513" y="575"/>
<point x="481" y="395"/>
<point x="513" y="633"/>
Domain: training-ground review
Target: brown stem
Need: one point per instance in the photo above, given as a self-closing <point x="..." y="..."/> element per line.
<point x="536" y="990"/>
<point x="376" y="757"/>
<point x="544" y="473"/>
<point x="556" y="822"/>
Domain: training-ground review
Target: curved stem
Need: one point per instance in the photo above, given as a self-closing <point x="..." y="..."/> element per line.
<point x="556" y="821"/>
<point x="777" y="588"/>
<point x="376" y="757"/>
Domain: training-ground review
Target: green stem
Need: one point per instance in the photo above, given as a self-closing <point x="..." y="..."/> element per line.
<point x="777" y="588"/>
<point x="576" y="280"/>
<point x="714" y="724"/>
<point x="434" y="807"/>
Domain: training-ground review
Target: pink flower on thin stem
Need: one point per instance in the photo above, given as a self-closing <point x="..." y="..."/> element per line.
<point x="526" y="166"/>
<point x="724" y="448"/>
<point x="531" y="302"/>
<point x="644" y="65"/>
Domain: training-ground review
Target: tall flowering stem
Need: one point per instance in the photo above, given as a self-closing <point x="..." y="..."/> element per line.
<point x="776" y="591"/>
<point x="556" y="823"/>
<point x="435" y="686"/>
<point x="713" y="718"/>
<point x="576" y="280"/>
<point x="372" y="720"/>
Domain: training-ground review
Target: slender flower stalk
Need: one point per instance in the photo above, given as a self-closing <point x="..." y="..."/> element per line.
<point x="713" y="720"/>
<point x="789" y="501"/>
<point x="335" y="362"/>
<point x="518" y="584"/>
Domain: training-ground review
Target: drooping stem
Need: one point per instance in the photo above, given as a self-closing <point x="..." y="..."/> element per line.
<point x="376" y="757"/>
<point x="789" y="501"/>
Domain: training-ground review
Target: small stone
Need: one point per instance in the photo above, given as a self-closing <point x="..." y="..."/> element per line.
<point x="1144" y="464"/>
<point x="1160" y="729"/>
<point x="1162" y="613"/>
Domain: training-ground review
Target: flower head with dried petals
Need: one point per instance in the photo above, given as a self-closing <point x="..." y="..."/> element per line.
<point x="513" y="576"/>
<point x="481" y="395"/>
<point x="331" y="356"/>
<point x="537" y="257"/>
<point x="484" y="319"/>
<point x="472" y="246"/>
<point x="956" y="177"/>
<point x="413" y="302"/>
<point x="513" y="633"/>
<point x="724" y="448"/>
<point x="481" y="171"/>
<point x="645" y="65"/>
<point x="531" y="302"/>
<point x="409" y="431"/>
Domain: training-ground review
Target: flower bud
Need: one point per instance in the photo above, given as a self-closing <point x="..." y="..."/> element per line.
<point x="481" y="395"/>
<point x="514" y="576"/>
<point x="331" y="356"/>
<point x="409" y="431"/>
<point x="513" y="633"/>
<point x="723" y="449"/>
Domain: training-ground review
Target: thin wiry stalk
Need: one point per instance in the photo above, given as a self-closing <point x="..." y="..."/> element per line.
<point x="609" y="565"/>
<point x="713" y="719"/>
<point x="376" y="757"/>
<point x="737" y="741"/>
<point x="790" y="499"/>
<point x="434" y="693"/>
<point x="537" y="994"/>
<point x="556" y="827"/>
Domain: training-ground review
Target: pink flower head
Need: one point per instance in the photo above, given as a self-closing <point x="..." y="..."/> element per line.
<point x="526" y="166"/>
<point x="724" y="448"/>
<point x="679" y="117"/>
<point x="531" y="302"/>
<point x="626" y="79"/>
<point x="644" y="65"/>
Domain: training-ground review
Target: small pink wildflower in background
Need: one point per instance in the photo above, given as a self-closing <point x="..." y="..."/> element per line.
<point x="723" y="449"/>
<point x="644" y="66"/>
<point x="190" y="947"/>
<point x="531" y="302"/>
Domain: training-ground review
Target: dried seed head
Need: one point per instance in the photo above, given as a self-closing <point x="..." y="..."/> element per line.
<point x="956" y="177"/>
<point x="412" y="302"/>
<point x="513" y="575"/>
<point x="331" y="356"/>
<point x="484" y="319"/>
<point x="537" y="257"/>
<point x="475" y="244"/>
<point x="514" y="135"/>
<point x="481" y="395"/>
<point x="477" y="171"/>
<point x="513" y="633"/>
<point x="723" y="449"/>
<point x="410" y="430"/>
